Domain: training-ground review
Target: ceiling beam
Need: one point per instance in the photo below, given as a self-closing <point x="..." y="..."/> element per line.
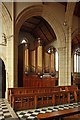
<point x="44" y="34"/>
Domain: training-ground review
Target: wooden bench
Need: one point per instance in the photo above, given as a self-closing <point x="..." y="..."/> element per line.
<point x="60" y="95"/>
<point x="72" y="95"/>
<point x="20" y="102"/>
<point x="26" y="91"/>
<point x="36" y="100"/>
<point x="20" y="98"/>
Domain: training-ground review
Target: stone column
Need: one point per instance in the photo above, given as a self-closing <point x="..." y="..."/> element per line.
<point x="65" y="61"/>
<point x="68" y="46"/>
<point x="62" y="66"/>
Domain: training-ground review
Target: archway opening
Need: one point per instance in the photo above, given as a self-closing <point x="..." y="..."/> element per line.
<point x="2" y="79"/>
<point x="37" y="37"/>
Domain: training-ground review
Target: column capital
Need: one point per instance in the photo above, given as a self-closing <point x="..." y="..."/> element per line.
<point x="61" y="48"/>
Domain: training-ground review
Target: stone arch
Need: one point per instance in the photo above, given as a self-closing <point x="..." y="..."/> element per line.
<point x="6" y="18"/>
<point x="39" y="11"/>
<point x="3" y="59"/>
<point x="2" y="78"/>
<point x="57" y="27"/>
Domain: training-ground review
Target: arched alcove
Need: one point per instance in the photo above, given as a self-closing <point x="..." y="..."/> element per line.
<point x="2" y="79"/>
<point x="34" y="58"/>
<point x="37" y="11"/>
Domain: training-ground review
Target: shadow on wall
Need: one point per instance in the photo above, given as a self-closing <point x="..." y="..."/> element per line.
<point x="0" y="78"/>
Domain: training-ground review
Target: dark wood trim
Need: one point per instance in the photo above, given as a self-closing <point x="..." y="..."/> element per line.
<point x="44" y="34"/>
<point x="63" y="113"/>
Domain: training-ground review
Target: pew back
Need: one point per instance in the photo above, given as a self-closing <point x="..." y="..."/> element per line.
<point x="25" y="98"/>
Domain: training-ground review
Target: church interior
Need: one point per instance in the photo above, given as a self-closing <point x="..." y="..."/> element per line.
<point x="40" y="60"/>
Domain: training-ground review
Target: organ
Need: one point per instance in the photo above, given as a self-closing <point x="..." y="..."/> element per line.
<point x="34" y="64"/>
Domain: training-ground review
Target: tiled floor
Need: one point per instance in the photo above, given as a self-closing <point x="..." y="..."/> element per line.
<point x="6" y="112"/>
<point x="32" y="114"/>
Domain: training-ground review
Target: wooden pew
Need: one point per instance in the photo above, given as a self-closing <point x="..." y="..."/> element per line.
<point x="24" y="91"/>
<point x="60" y="95"/>
<point x="44" y="99"/>
<point x="22" y="102"/>
<point x="72" y="93"/>
<point x="20" y="98"/>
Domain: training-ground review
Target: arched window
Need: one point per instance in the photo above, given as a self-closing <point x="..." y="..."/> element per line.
<point x="56" y="61"/>
<point x="77" y="60"/>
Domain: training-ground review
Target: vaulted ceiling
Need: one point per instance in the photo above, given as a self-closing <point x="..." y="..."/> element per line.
<point x="39" y="28"/>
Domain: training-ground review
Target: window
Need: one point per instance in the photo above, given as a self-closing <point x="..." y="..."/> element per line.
<point x="77" y="60"/>
<point x="56" y="60"/>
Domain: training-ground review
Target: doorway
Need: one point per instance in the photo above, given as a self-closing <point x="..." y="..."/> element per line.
<point x="2" y="79"/>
